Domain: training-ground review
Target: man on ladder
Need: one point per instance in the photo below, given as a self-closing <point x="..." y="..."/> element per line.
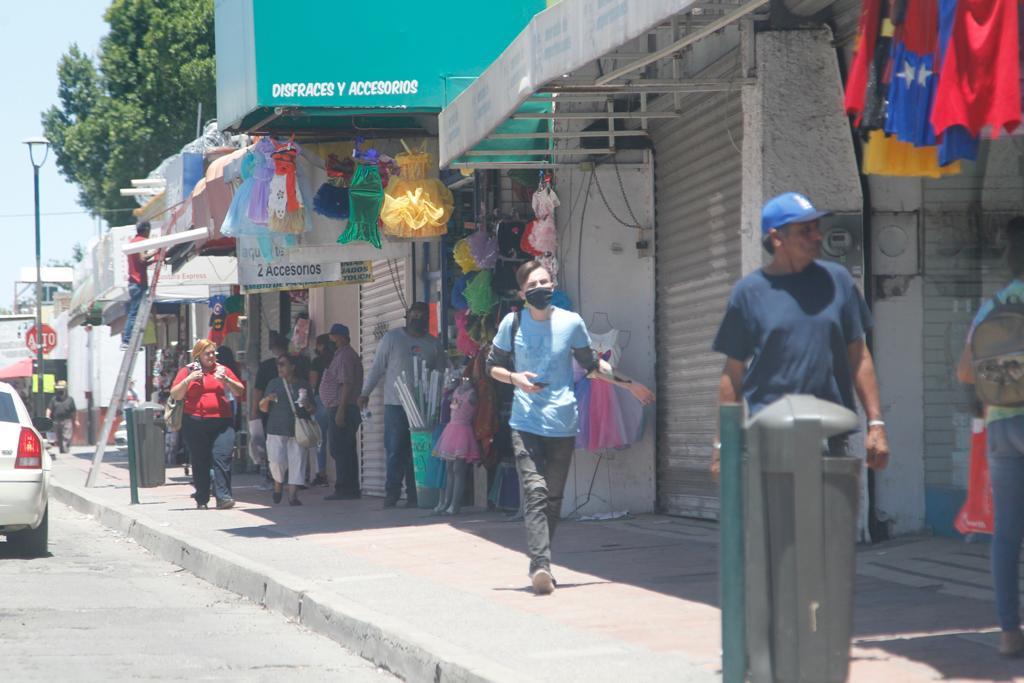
<point x="138" y="282"/>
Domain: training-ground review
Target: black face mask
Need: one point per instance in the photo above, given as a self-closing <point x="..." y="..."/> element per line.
<point x="540" y="297"/>
<point x="416" y="325"/>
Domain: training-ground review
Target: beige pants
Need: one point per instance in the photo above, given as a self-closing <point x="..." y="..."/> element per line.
<point x="286" y="457"/>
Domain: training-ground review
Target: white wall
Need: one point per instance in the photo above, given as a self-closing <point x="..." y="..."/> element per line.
<point x="106" y="361"/>
<point x="616" y="281"/>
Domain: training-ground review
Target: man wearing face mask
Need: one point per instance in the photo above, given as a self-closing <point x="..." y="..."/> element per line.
<point x="533" y="351"/>
<point x="400" y="350"/>
<point x="64" y="413"/>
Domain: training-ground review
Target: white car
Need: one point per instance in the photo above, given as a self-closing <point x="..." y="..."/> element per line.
<point x="24" y="476"/>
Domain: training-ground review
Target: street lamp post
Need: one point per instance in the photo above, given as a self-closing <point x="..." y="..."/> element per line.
<point x="38" y="146"/>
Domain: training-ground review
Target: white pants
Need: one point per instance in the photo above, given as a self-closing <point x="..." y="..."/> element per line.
<point x="285" y="454"/>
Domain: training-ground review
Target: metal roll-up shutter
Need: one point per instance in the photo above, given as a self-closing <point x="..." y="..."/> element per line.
<point x="698" y="183"/>
<point x="381" y="308"/>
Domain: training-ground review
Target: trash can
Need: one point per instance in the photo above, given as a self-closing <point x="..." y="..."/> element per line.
<point x="801" y="530"/>
<point x="148" y="427"/>
<point x="422" y="447"/>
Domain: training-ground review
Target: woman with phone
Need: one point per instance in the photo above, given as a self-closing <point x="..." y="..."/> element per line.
<point x="204" y="385"/>
<point x="287" y="397"/>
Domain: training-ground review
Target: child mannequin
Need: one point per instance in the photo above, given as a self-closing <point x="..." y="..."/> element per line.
<point x="458" y="447"/>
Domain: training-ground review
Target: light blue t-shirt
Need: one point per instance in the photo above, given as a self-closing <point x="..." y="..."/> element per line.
<point x="545" y="348"/>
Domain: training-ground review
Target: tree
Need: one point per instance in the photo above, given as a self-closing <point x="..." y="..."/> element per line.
<point x="77" y="255"/>
<point x="121" y="114"/>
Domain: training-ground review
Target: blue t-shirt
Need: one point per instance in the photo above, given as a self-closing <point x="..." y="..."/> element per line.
<point x="795" y="330"/>
<point x="544" y="347"/>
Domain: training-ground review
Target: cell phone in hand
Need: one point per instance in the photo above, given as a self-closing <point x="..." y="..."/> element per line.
<point x="540" y="385"/>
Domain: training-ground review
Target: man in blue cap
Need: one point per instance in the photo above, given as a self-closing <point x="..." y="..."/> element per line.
<point x="798" y="326"/>
<point x="339" y="391"/>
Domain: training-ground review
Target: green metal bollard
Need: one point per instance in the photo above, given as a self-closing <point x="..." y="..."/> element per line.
<point x="133" y="472"/>
<point x="731" y="562"/>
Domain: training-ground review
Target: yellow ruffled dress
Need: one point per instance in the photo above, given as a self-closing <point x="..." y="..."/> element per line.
<point x="415" y="205"/>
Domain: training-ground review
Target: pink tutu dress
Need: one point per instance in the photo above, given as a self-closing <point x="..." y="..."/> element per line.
<point x="458" y="442"/>
<point x="609" y="416"/>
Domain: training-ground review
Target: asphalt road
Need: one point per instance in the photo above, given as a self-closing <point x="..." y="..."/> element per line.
<point x="102" y="608"/>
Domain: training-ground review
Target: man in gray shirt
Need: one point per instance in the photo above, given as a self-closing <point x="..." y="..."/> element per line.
<point x="399" y="351"/>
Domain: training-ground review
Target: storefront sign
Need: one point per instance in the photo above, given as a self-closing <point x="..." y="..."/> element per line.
<point x="258" y="68"/>
<point x="256" y="274"/>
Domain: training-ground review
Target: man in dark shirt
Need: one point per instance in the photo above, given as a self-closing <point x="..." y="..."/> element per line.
<point x="797" y="326"/>
<point x="64" y="413"/>
<point x="138" y="281"/>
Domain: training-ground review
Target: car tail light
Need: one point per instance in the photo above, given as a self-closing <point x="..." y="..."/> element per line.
<point x="30" y="451"/>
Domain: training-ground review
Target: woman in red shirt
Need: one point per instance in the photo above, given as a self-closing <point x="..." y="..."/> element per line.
<point x="203" y="384"/>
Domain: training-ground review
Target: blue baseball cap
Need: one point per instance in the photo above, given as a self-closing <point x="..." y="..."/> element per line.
<point x="340" y="330"/>
<point x="791" y="207"/>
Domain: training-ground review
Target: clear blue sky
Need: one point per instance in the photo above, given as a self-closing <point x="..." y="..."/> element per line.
<point x="35" y="35"/>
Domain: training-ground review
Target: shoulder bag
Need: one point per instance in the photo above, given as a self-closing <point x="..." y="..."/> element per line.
<point x="173" y="412"/>
<point x="307" y="431"/>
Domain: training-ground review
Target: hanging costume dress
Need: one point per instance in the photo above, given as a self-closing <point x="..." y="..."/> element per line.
<point x="458" y="442"/>
<point x="416" y="205"/>
<point x="609" y="416"/>
<point x="365" y="197"/>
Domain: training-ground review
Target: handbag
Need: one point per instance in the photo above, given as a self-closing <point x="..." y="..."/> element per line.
<point x="173" y="412"/>
<point x="307" y="431"/>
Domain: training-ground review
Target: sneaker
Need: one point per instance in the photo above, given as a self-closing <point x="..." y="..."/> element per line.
<point x="390" y="502"/>
<point x="543" y="582"/>
<point x="1011" y="643"/>
<point x="319" y="480"/>
<point x="225" y="504"/>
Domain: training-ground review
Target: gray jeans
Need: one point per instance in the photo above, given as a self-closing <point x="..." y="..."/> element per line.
<point x="543" y="466"/>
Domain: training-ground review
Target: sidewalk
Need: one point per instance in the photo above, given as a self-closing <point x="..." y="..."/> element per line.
<point x="448" y="599"/>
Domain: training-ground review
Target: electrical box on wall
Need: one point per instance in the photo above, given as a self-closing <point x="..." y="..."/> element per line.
<point x="894" y="244"/>
<point x="843" y="241"/>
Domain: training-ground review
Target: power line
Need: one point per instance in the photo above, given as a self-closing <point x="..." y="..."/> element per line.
<point x="58" y="213"/>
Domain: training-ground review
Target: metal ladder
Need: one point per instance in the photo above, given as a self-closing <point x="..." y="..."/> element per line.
<point x="127" y="365"/>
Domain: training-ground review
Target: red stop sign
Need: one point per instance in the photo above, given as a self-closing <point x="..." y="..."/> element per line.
<point x="49" y="339"/>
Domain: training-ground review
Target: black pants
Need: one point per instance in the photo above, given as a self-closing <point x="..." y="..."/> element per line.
<point x="543" y="466"/>
<point x="343" y="450"/>
<point x="199" y="435"/>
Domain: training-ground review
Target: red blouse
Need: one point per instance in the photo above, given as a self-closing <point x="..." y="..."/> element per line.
<point x="205" y="398"/>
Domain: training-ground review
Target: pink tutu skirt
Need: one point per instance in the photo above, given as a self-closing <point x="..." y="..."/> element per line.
<point x="458" y="442"/>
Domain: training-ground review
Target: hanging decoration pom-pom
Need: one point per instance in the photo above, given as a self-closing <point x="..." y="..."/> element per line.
<point x="463" y="256"/>
<point x="484" y="249"/>
<point x="480" y="295"/>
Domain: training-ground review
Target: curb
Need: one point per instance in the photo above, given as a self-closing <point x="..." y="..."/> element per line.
<point x="384" y="640"/>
